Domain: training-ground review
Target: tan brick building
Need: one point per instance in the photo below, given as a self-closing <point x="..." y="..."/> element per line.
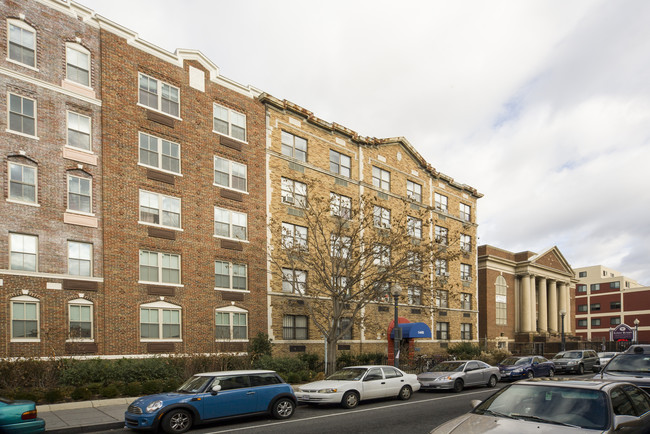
<point x="302" y="148"/>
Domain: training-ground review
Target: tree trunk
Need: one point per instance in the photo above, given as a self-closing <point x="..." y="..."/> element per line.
<point x="330" y="363"/>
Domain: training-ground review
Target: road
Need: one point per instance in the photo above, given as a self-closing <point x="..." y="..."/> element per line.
<point x="420" y="414"/>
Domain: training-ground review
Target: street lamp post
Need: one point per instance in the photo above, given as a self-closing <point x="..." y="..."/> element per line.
<point x="636" y="330"/>
<point x="562" y="315"/>
<point x="397" y="336"/>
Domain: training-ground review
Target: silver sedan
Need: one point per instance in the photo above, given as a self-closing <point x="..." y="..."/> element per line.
<point x="458" y="374"/>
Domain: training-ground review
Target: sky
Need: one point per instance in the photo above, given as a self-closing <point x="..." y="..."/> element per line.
<point x="542" y="106"/>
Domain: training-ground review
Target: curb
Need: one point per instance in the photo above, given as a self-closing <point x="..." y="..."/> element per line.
<point x="83" y="404"/>
<point x="87" y="428"/>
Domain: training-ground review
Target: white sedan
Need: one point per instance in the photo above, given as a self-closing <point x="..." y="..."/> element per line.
<point x="356" y="383"/>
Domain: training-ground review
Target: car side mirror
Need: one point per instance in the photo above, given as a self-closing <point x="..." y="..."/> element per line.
<point x="535" y="363"/>
<point x="475" y="402"/>
<point x="625" y="421"/>
<point x="215" y="389"/>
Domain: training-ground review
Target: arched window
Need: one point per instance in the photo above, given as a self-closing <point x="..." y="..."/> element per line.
<point x="22" y="43"/>
<point x="80" y="319"/>
<point x="160" y="321"/>
<point x="77" y="63"/>
<point x="25" y="313"/>
<point x="501" y="301"/>
<point x="231" y="324"/>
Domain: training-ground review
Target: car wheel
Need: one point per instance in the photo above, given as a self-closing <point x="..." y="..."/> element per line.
<point x="177" y="421"/>
<point x="404" y="393"/>
<point x="492" y="381"/>
<point x="458" y="385"/>
<point x="581" y="369"/>
<point x="283" y="408"/>
<point x="530" y="374"/>
<point x="350" y="399"/>
<point x="551" y="373"/>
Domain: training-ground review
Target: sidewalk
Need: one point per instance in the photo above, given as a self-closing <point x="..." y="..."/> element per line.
<point x="84" y="416"/>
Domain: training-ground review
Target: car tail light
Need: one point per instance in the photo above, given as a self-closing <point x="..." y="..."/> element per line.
<point x="31" y="414"/>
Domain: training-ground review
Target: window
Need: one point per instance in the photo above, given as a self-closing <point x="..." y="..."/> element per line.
<point x="22" y="43"/>
<point x="294" y="192"/>
<point x="615" y="321"/>
<point x="160" y="153"/>
<point x="465" y="243"/>
<point x="231" y="323"/>
<point x="442" y="298"/>
<point x="381" y="255"/>
<point x="466" y="332"/>
<point x="229" y="275"/>
<point x="160" y="210"/>
<point x="230" y="174"/>
<point x="414" y="227"/>
<point x="582" y="308"/>
<point x="582" y="274"/>
<point x="595" y="286"/>
<point x="339" y="163"/>
<point x="466" y="301"/>
<point x="582" y="323"/>
<point x="78" y="64"/>
<point x="22" y="183"/>
<point x="413" y="191"/>
<point x="24" y="318"/>
<point x="381" y="217"/>
<point x="157" y="267"/>
<point x="294" y="236"/>
<point x="79" y="194"/>
<point x="501" y="301"/>
<point x="465" y="212"/>
<point x="414" y="262"/>
<point x="615" y="305"/>
<point x="340" y="206"/>
<point x="229" y="122"/>
<point x="442" y="331"/>
<point x="466" y="272"/>
<point x="594" y="306"/>
<point x="159" y="95"/>
<point x="414" y="294"/>
<point x="627" y="284"/>
<point x="22" y="115"/>
<point x="382" y="291"/>
<point x="441" y="202"/>
<point x="294" y="327"/>
<point x="80" y="319"/>
<point x="79" y="131"/>
<point x="441" y="235"/>
<point x="80" y="257"/>
<point x="160" y="321"/>
<point x="441" y="268"/>
<point x="230" y="224"/>
<point x="343" y="323"/>
<point x="581" y="288"/>
<point x="294" y="146"/>
<point x="23" y="252"/>
<point x="380" y="178"/>
<point x="340" y="246"/>
<point x="294" y="281"/>
<point x="595" y="321"/>
<point x="615" y="285"/>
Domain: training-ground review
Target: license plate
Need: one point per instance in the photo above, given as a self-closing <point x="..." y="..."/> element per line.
<point x="305" y="397"/>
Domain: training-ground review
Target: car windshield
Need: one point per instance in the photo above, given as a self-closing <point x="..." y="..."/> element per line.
<point x="606" y="355"/>
<point x="509" y="361"/>
<point x="639" y="363"/>
<point x="568" y="406"/>
<point x="194" y="384"/>
<point x="449" y="367"/>
<point x="568" y="355"/>
<point x="348" y="374"/>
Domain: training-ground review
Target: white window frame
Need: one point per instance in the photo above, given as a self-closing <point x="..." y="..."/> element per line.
<point x="21" y="113"/>
<point x="465" y="212"/>
<point x="13" y="242"/>
<point x="465" y="243"/>
<point x="340" y="246"/>
<point x="80" y="259"/>
<point x="231" y="114"/>
<point x="465" y="331"/>
<point x="230" y="266"/>
<point x="442" y="268"/>
<point x="26" y="299"/>
<point x="81" y="303"/>
<point x="231" y="225"/>
<point x="337" y="163"/>
<point x="161" y="307"/>
<point x="441" y="235"/>
<point x="160" y="199"/>
<point x="232" y="165"/>
<point x="441" y="202"/>
<point x="340" y="206"/>
<point x="442" y="331"/>
<point x="159" y="266"/>
<point x="159" y="90"/>
<point x="466" y="272"/>
<point x="381" y="178"/>
<point x="292" y="235"/>
<point x="442" y="298"/>
<point x="381" y="255"/>
<point x="414" y="294"/>
<point x="79" y="49"/>
<point x="78" y="129"/>
<point x="501" y="300"/>
<point x="465" y="301"/>
<point x="413" y="191"/>
<point x="231" y="311"/>
<point x="294" y="281"/>
<point x="160" y="144"/>
<point x="290" y="149"/>
<point x="381" y="217"/>
<point x="23" y="26"/>
<point x="10" y="180"/>
<point x="90" y="195"/>
<point x="291" y="192"/>
<point x="414" y="227"/>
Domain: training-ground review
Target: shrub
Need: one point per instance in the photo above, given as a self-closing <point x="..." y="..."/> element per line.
<point x="81" y="393"/>
<point x="312" y="360"/>
<point x="293" y="377"/>
<point x="95" y="388"/>
<point x="133" y="388"/>
<point x="152" y="386"/>
<point x="464" y="350"/>
<point x="259" y="346"/>
<point x="171" y="384"/>
<point x="344" y="359"/>
<point x="282" y="365"/>
<point x="54" y="395"/>
<point x="31" y="395"/>
<point x="109" y="391"/>
<point x="371" y="358"/>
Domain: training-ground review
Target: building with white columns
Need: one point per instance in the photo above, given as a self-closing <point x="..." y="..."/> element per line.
<point x="524" y="296"/>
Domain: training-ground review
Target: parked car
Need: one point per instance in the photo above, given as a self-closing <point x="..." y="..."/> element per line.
<point x="210" y="396"/>
<point x="577" y="361"/>
<point x="603" y="358"/>
<point x="350" y="385"/>
<point x="556" y="406"/>
<point x="632" y="365"/>
<point x="458" y="374"/>
<point x="19" y="417"/>
<point x="516" y="368"/>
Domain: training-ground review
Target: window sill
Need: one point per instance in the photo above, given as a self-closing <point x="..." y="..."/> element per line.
<point x="243" y="142"/>
<point x="83" y="213"/>
<point x="231" y="239"/>
<point x="18" y="133"/>
<point x="19" y="202"/>
<point x="79" y="341"/>
<point x="230" y="188"/>
<point x="160" y="226"/>
<point x="80" y="219"/>
<point x="243" y="291"/>
<point x="161" y="340"/>
<point x="80" y="155"/>
<point x="160" y="170"/>
<point x="24" y="65"/>
<point x="78" y="88"/>
<point x="159" y="111"/>
<point x="18" y="340"/>
<point x="231" y="340"/>
<point x="176" y="285"/>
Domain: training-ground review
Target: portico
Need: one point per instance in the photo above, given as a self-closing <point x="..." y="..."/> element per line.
<point x="541" y="298"/>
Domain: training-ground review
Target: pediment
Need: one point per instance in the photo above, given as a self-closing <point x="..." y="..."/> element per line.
<point x="553" y="259"/>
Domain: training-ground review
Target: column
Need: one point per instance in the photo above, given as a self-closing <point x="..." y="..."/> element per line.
<point x="569" y="326"/>
<point x="563" y="305"/>
<point x="525" y="304"/>
<point x="543" y="312"/>
<point x="552" y="307"/>
<point x="533" y="304"/>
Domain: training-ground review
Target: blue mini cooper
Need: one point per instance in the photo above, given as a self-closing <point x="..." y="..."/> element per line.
<point x="212" y="395"/>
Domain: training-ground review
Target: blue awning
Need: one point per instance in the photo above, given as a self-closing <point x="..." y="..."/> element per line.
<point x="413" y="330"/>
